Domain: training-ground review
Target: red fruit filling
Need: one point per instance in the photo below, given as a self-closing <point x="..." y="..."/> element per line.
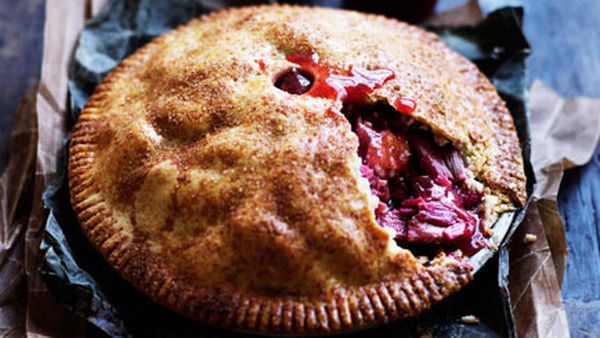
<point x="346" y="85"/>
<point x="385" y="152"/>
<point x="294" y="81"/>
<point x="405" y="105"/>
<point x="422" y="186"/>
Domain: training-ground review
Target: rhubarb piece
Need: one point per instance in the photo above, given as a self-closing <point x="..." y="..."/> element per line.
<point x="455" y="163"/>
<point x="429" y="157"/>
<point x="441" y="221"/>
<point x="399" y="190"/>
<point x="393" y="219"/>
<point x="383" y="151"/>
<point x="379" y="187"/>
<point x="424" y="186"/>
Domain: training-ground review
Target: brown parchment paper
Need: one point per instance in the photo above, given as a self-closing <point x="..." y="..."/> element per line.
<point x="14" y="212"/>
<point x="564" y="134"/>
<point x="27" y="308"/>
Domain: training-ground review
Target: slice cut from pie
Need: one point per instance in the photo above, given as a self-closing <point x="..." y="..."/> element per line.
<point x="293" y="170"/>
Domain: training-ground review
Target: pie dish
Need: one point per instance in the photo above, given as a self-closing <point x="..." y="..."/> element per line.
<point x="293" y="170"/>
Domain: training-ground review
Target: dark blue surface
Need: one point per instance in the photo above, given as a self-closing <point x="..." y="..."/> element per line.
<point x="565" y="35"/>
<point x="580" y="189"/>
<point x="21" y="27"/>
<point x="579" y="204"/>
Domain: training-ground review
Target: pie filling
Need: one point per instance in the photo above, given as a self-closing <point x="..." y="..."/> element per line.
<point x="423" y="188"/>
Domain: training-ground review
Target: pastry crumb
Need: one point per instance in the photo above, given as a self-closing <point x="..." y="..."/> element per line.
<point x="529" y="238"/>
<point x="440" y="140"/>
<point x="423" y="259"/>
<point x="424" y="333"/>
<point x="469" y="319"/>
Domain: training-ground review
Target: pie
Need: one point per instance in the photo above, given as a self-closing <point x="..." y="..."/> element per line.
<point x="292" y="170"/>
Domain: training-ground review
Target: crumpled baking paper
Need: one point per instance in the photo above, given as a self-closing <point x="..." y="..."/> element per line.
<point x="564" y="134"/>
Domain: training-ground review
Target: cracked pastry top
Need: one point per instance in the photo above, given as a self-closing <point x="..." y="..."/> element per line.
<point x="294" y="170"/>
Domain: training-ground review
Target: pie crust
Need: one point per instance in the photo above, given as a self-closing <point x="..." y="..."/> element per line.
<point x="241" y="205"/>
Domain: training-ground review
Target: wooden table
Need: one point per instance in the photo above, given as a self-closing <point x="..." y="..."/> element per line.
<point x="565" y="38"/>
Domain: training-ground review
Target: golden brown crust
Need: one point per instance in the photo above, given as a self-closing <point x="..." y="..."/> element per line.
<point x="240" y="205"/>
